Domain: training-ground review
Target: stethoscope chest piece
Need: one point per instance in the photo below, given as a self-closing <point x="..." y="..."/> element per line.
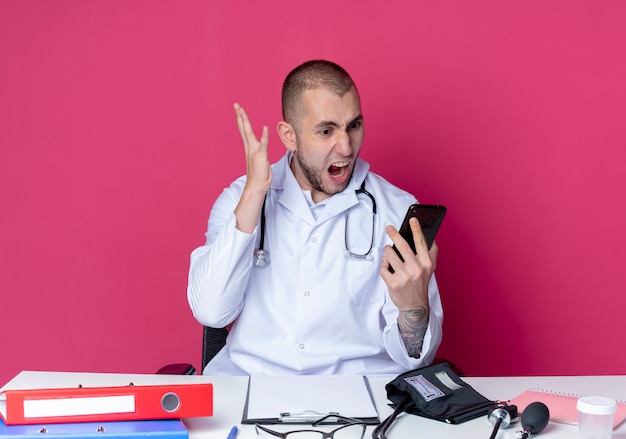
<point x="261" y="257"/>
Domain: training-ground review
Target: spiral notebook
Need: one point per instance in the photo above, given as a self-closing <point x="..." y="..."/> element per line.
<point x="562" y="406"/>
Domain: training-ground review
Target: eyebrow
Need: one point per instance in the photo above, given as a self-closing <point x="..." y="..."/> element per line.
<point x="326" y="123"/>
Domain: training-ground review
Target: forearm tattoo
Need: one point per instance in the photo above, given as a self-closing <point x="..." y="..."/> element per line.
<point x="413" y="325"/>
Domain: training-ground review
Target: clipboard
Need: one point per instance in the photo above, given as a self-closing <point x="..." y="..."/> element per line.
<point x="303" y="399"/>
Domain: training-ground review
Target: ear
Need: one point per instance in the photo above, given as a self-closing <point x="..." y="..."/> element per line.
<point x="287" y="135"/>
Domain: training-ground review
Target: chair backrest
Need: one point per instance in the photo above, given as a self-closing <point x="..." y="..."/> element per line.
<point x="213" y="340"/>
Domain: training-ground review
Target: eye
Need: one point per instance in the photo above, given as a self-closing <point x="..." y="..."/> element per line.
<point x="326" y="131"/>
<point x="355" y="125"/>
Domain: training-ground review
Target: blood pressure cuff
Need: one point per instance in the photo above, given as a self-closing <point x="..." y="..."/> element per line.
<point x="436" y="392"/>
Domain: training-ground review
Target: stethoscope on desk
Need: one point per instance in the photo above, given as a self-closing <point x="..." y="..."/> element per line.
<point x="262" y="256"/>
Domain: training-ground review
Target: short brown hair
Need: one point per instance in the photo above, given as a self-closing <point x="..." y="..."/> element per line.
<point x="311" y="75"/>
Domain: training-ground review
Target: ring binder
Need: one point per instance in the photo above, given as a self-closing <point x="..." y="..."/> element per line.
<point x="155" y="429"/>
<point x="114" y="403"/>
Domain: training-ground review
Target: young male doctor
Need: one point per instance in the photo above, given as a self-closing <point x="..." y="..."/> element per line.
<point x="318" y="298"/>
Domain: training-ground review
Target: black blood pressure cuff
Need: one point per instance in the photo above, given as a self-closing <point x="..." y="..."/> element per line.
<point x="436" y="392"/>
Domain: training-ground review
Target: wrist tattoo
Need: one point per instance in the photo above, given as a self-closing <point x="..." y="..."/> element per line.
<point x="413" y="324"/>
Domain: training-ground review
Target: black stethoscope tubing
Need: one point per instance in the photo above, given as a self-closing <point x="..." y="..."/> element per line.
<point x="261" y="256"/>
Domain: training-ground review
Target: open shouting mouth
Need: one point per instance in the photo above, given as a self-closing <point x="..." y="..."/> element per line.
<point x="339" y="171"/>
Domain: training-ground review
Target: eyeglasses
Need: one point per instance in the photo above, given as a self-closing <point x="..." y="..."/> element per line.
<point x="365" y="208"/>
<point x="353" y="429"/>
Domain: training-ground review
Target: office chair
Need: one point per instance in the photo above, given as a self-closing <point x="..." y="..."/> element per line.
<point x="214" y="339"/>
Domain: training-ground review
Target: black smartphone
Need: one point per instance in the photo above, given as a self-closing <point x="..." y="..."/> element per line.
<point x="430" y="217"/>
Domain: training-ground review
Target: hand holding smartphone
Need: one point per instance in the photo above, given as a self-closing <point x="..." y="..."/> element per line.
<point x="430" y="217"/>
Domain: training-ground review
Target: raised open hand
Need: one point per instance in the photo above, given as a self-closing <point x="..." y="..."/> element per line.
<point x="258" y="167"/>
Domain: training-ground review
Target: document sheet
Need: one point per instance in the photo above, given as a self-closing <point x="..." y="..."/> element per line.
<point x="306" y="398"/>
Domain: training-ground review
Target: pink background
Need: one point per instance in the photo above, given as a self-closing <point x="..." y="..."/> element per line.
<point x="117" y="133"/>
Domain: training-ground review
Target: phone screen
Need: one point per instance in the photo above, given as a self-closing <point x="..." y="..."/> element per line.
<point x="430" y="217"/>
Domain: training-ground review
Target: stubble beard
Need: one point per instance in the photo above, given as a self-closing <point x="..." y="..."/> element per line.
<point x="313" y="176"/>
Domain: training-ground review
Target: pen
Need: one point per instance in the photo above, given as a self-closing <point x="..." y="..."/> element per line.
<point x="233" y="433"/>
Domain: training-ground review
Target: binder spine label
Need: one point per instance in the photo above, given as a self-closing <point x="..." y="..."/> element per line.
<point x="43" y="408"/>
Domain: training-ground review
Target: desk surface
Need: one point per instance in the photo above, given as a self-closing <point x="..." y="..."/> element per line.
<point x="230" y="395"/>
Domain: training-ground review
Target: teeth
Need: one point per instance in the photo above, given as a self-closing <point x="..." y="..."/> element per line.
<point x="341" y="165"/>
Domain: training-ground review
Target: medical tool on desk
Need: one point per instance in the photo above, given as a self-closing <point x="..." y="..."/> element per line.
<point x="262" y="256"/>
<point x="535" y="417"/>
<point x="501" y="417"/>
<point x="434" y="392"/>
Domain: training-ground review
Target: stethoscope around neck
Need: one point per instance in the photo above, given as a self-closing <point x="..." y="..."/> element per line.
<point x="262" y="256"/>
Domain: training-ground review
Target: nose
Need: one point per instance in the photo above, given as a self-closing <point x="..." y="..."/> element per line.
<point x="343" y="143"/>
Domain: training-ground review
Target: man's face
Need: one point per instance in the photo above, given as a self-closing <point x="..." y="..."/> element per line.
<point x="328" y="142"/>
